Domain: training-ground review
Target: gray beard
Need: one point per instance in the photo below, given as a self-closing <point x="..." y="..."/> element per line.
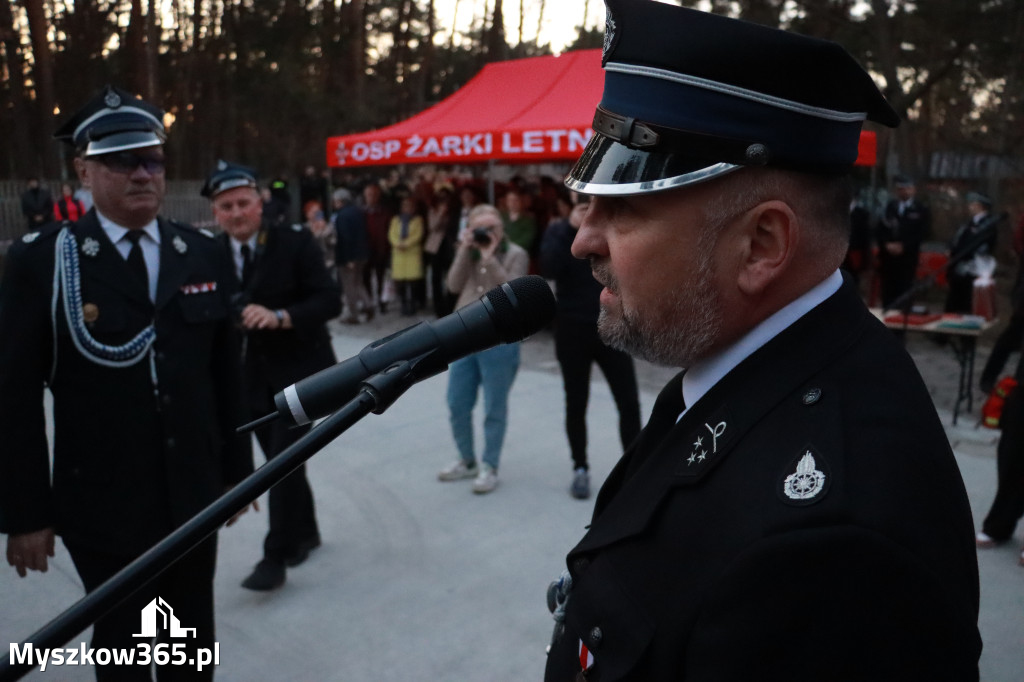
<point x="675" y="331"/>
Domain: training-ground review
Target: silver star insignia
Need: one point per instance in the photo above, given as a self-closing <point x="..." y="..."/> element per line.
<point x="703" y="455"/>
<point x="90" y="247"/>
<point x="691" y="459"/>
<point x="700" y="441"/>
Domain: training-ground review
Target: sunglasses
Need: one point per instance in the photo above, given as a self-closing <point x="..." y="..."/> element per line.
<point x="127" y="162"/>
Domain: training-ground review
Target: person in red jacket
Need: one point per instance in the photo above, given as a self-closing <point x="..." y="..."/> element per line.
<point x="68" y="207"/>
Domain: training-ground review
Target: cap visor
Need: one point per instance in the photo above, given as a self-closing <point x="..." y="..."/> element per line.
<point x="121" y="142"/>
<point x="608" y="168"/>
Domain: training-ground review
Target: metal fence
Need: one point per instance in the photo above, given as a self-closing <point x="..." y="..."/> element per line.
<point x="182" y="203"/>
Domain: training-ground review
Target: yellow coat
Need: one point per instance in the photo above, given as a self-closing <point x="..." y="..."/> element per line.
<point x="406" y="254"/>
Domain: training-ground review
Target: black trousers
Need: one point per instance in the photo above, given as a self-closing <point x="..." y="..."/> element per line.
<point x="578" y="347"/>
<point x="292" y="512"/>
<point x="897" y="276"/>
<point x="960" y="298"/>
<point x="1008" y="342"/>
<point x="186" y="587"/>
<point x="1008" y="505"/>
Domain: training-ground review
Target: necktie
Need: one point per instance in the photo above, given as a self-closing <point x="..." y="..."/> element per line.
<point x="246" y="264"/>
<point x="663" y="417"/>
<point x="136" y="261"/>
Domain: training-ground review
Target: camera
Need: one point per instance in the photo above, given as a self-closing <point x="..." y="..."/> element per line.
<point x="482" y="235"/>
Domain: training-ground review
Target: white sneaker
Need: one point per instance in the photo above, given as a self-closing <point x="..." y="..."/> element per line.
<point x="486" y="480"/>
<point x="984" y="541"/>
<point x="457" y="471"/>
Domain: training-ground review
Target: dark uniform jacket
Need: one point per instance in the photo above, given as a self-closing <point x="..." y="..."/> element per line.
<point x="353" y="243"/>
<point x="578" y="292"/>
<point x="700" y="566"/>
<point x="288" y="274"/>
<point x="131" y="461"/>
<point x="909" y="230"/>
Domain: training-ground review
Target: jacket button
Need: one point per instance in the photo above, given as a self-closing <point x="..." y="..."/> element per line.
<point x="812" y="396"/>
<point x="595" y="638"/>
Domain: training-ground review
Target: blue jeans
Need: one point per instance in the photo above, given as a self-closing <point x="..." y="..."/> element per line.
<point x="494" y="369"/>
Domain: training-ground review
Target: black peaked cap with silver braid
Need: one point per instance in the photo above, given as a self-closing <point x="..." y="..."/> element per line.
<point x="690" y="95"/>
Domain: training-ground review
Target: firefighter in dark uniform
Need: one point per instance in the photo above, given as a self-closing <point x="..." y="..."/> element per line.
<point x="286" y="297"/>
<point x="125" y="317"/>
<point x="904" y="225"/>
<point x="792" y="510"/>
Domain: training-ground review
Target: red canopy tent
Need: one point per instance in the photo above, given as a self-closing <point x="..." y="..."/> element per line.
<point x="519" y="111"/>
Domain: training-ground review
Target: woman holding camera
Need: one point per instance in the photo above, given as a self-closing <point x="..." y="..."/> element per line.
<point x="485" y="258"/>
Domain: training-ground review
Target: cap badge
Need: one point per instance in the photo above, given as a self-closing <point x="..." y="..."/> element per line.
<point x="700" y="451"/>
<point x="807" y="482"/>
<point x="30" y="237"/>
<point x="112" y="100"/>
<point x="179" y="245"/>
<point x="90" y="312"/>
<point x="90" y="247"/>
<point x="610" y="35"/>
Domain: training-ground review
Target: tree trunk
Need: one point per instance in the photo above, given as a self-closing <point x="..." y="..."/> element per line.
<point x="42" y="76"/>
<point x="495" y="47"/>
<point x="150" y="89"/>
<point x="540" y="20"/>
<point x="17" y="118"/>
<point x="522" y="20"/>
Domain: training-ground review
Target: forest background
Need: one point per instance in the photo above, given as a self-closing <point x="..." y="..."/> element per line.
<point x="267" y="81"/>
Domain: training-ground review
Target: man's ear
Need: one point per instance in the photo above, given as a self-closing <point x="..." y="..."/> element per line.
<point x="769" y="240"/>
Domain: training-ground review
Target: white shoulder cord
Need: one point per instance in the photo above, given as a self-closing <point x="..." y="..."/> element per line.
<point x="67" y="280"/>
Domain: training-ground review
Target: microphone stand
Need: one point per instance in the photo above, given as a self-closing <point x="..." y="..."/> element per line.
<point x="378" y="393"/>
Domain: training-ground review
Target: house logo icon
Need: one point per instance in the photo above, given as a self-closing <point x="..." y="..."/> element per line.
<point x="158" y="614"/>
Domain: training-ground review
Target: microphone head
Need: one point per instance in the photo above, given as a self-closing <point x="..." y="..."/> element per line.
<point x="521" y="307"/>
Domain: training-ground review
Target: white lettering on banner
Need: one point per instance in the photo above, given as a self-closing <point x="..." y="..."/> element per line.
<point x="578" y="141"/>
<point x="412" y="146"/>
<point x="506" y="145"/>
<point x="556" y="139"/>
<point x="377" y="150"/>
<point x="533" y="142"/>
<point x="472" y="145"/>
<point x="452" y="144"/>
<point x="431" y="147"/>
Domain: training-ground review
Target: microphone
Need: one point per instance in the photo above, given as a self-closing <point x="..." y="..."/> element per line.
<point x="505" y="314"/>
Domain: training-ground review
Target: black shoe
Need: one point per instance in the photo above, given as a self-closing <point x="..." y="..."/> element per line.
<point x="268" y="575"/>
<point x="301" y="552"/>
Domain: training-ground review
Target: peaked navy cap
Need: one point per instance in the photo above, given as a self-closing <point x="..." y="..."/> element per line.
<point x="690" y="95"/>
<point x="228" y="176"/>
<point x="982" y="199"/>
<point x="113" y="121"/>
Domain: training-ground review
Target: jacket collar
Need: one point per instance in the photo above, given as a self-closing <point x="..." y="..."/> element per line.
<point x="708" y="431"/>
<point x="99" y="259"/>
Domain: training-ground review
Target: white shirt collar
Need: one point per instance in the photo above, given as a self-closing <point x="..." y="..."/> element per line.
<point x="116" y="232"/>
<point x="236" y="246"/>
<point x="704" y="374"/>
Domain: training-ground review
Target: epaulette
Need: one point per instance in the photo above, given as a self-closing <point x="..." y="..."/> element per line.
<point x="206" y="233"/>
<point x="44" y="232"/>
